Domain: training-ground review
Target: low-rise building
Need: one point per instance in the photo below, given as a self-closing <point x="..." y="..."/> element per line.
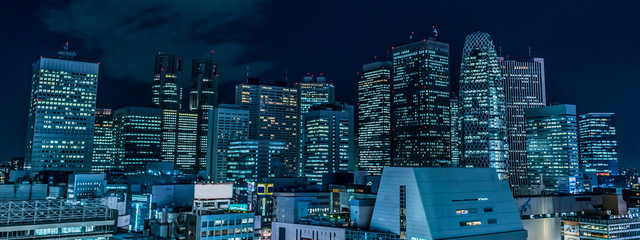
<point x="62" y="219"/>
<point x="290" y="231"/>
<point x="613" y="227"/>
<point x="220" y="224"/>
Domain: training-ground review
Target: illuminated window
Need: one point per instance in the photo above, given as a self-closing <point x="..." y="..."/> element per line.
<point x="470" y="223"/>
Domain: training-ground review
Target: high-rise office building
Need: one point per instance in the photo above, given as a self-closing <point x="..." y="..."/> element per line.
<point x="524" y="86"/>
<point x="166" y="90"/>
<point x="374" y="117"/>
<point x="182" y="130"/>
<point x="104" y="141"/>
<point x="203" y="97"/>
<point x="179" y="138"/>
<point x="273" y="116"/>
<point x="251" y="161"/>
<point x="598" y="146"/>
<point x="327" y="146"/>
<point x="421" y="135"/>
<point x="312" y="90"/>
<point x="482" y="106"/>
<point x="552" y="147"/>
<point x="61" y="114"/>
<point x="456" y="125"/>
<point x="138" y="137"/>
<point x="227" y="123"/>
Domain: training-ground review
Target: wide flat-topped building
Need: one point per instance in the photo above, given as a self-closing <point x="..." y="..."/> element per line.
<point x="446" y="203"/>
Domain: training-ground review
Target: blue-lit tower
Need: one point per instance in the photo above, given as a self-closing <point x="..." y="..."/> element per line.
<point x="61" y="114"/>
<point x="482" y="106"/>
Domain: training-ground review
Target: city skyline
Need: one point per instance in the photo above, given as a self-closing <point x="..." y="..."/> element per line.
<point x="326" y="120"/>
<point x="552" y="42"/>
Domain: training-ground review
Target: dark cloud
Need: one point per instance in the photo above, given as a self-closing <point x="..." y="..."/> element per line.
<point x="128" y="33"/>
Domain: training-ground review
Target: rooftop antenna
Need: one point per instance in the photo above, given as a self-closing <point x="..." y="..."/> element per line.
<point x="66" y="53"/>
<point x="529" y="51"/>
<point x="286" y="75"/>
<point x="247" y="72"/>
<point x="435" y="32"/>
<point x="387" y="55"/>
<point x="500" y="51"/>
<point x="411" y="36"/>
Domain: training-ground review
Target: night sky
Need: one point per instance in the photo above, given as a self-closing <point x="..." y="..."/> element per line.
<point x="590" y="49"/>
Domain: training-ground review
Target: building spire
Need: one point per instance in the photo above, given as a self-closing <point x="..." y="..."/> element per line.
<point x="435" y="32"/>
<point x="529" y="51"/>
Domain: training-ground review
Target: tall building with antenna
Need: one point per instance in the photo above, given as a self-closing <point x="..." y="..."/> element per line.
<point x="524" y="86"/>
<point x="482" y="101"/>
<point x="421" y="133"/>
<point x="61" y="114"/>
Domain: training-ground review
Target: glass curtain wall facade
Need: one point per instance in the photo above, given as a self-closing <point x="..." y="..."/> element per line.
<point x="104" y="141"/>
<point x="482" y="106"/>
<point x="374" y="117"/>
<point x="61" y="114"/>
<point x="227" y="123"/>
<point x="312" y="90"/>
<point x="273" y="116"/>
<point x="138" y="137"/>
<point x="327" y="146"/>
<point x="598" y="147"/>
<point x="524" y="85"/>
<point x="421" y="133"/>
<point x="552" y="148"/>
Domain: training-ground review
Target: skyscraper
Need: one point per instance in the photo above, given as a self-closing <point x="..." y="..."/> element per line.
<point x="251" y="161"/>
<point x="374" y="117"/>
<point x="227" y="123"/>
<point x="312" y="90"/>
<point x="273" y="116"/>
<point x="327" y="146"/>
<point x="166" y="90"/>
<point x="104" y="141"/>
<point x="61" y="114"/>
<point x="421" y="135"/>
<point x="203" y="97"/>
<point x="552" y="147"/>
<point x="524" y="86"/>
<point x="138" y="137"/>
<point x="179" y="137"/>
<point x="482" y="106"/>
<point x="598" y="146"/>
<point x="456" y="141"/>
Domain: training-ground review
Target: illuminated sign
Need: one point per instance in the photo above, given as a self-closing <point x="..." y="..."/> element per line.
<point x="571" y="228"/>
<point x="239" y="207"/>
<point x="462" y="212"/>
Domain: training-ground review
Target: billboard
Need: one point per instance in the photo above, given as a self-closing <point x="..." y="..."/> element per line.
<point x="213" y="191"/>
